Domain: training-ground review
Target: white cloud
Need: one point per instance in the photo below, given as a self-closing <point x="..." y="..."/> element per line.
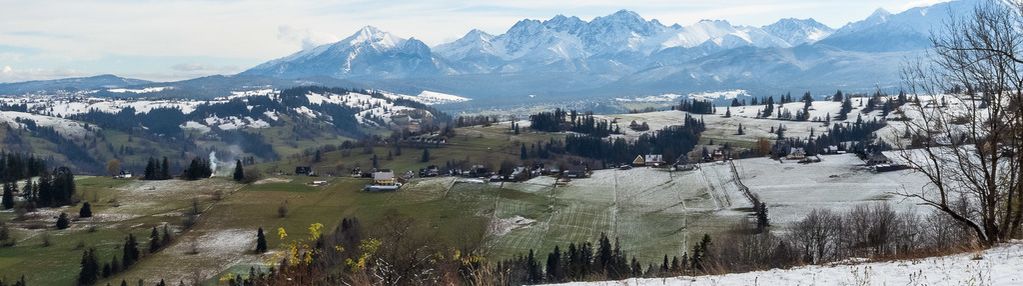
<point x="7" y="70"/>
<point x="306" y="37"/>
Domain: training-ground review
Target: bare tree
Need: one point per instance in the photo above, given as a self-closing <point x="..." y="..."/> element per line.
<point x="970" y="149"/>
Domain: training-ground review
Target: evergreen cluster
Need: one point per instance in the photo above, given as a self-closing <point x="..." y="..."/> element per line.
<point x="198" y="169"/>
<point x="156" y="170"/>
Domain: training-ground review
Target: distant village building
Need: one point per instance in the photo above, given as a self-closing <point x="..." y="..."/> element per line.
<point x="796" y="153"/>
<point x="639" y="161"/>
<point x="384" y="177"/>
<point x="577" y="171"/>
<point x="124" y="175"/>
<point x="383" y="180"/>
<point x="877" y="159"/>
<point x="654" y="160"/>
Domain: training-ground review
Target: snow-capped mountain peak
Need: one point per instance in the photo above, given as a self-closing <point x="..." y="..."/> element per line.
<point x="799" y="31"/>
<point x="372" y="35"/>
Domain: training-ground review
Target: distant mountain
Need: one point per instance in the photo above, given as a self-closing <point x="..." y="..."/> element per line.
<point x="69" y="84"/>
<point x="566" y="57"/>
<point x="910" y="30"/>
<point x="368" y="53"/>
<point x="797" y="32"/>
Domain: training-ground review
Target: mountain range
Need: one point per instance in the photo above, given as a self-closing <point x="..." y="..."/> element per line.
<point x="622" y="54"/>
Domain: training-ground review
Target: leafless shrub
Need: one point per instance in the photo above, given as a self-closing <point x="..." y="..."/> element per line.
<point x="282" y="210"/>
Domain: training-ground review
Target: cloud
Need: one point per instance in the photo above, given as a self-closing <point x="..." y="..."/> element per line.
<point x="306" y="37"/>
<point x="7" y="70"/>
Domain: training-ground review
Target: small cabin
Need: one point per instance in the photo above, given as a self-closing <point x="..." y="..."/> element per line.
<point x="384" y="177"/>
<point x="877" y="159"/>
<point x="576" y="172"/>
<point x="796" y="153"/>
<point x="124" y="175"/>
<point x="639" y="161"/>
<point x="654" y="160"/>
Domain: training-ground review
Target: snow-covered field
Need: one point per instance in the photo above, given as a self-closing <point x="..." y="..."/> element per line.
<point x="655" y="212"/>
<point x="996" y="266"/>
<point x="65" y="127"/>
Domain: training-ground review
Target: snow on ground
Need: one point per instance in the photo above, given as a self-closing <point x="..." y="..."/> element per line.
<point x="674" y="97"/>
<point x="838" y="183"/>
<point x="235" y="122"/>
<point x="428" y="97"/>
<point x="65" y="127"/>
<point x="501" y="226"/>
<point x="140" y="91"/>
<point x="996" y="266"/>
<point x="196" y="125"/>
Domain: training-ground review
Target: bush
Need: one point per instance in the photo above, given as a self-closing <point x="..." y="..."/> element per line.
<point x="282" y="210"/>
<point x="63" y="222"/>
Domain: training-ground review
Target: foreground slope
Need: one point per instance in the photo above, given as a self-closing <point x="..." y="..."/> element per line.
<point x="996" y="266"/>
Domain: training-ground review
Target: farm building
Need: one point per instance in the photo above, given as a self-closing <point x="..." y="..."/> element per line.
<point x="576" y="172"/>
<point x="796" y="153"/>
<point x="649" y="160"/>
<point x="877" y="159"/>
<point x="639" y="161"/>
<point x="383" y="180"/>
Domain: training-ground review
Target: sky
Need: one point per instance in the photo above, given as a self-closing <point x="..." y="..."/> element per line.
<point x="165" y="40"/>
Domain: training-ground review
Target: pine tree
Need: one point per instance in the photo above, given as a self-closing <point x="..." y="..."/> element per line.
<point x="522" y="152"/>
<point x="8" y="196"/>
<point x="728" y="111"/>
<point x="554" y="271"/>
<point x="741" y="132"/>
<point x="426" y="155"/>
<point x="63" y="222"/>
<point x="239" y="172"/>
<point x="130" y="252"/>
<point x="165" y="170"/>
<point x="533" y="272"/>
<point x="166" y="240"/>
<point x="154" y="241"/>
<point x="762" y="221"/>
<point x="85" y="211"/>
<point x="90" y="268"/>
<point x="260" y="241"/>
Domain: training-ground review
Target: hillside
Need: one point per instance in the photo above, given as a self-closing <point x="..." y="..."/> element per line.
<point x="995" y="266"/>
<point x="265" y="124"/>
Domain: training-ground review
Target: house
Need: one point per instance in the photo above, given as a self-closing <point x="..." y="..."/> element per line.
<point x="303" y="170"/>
<point x="576" y="171"/>
<point x="384" y="177"/>
<point x="429" y="171"/>
<point x="654" y="160"/>
<point x="796" y="153"/>
<point x="639" y="161"/>
<point x="718" y="155"/>
<point x="318" y="183"/>
<point x="124" y="175"/>
<point x="877" y="159"/>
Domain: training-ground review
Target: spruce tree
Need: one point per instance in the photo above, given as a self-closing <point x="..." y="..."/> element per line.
<point x="8" y="196"/>
<point x="239" y="172"/>
<point x="165" y="170"/>
<point x="90" y="268"/>
<point x="130" y="252"/>
<point x="154" y="241"/>
<point x="85" y="211"/>
<point x="426" y="155"/>
<point x="260" y="241"/>
<point x="166" y="240"/>
<point x="63" y="222"/>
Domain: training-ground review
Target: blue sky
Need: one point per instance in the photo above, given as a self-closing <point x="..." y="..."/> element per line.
<point x="172" y="40"/>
